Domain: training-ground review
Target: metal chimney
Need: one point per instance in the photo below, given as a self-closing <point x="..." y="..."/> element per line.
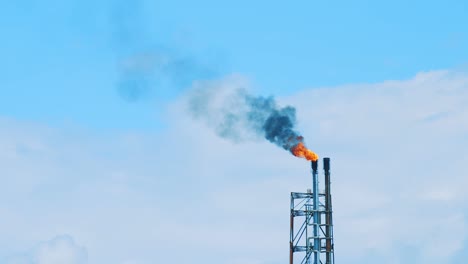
<point x="313" y="240"/>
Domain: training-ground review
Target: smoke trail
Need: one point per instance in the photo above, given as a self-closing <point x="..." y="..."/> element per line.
<point x="146" y="65"/>
<point x="237" y="115"/>
<point x="157" y="70"/>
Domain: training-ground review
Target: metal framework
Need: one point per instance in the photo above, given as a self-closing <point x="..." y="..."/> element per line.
<point x="312" y="211"/>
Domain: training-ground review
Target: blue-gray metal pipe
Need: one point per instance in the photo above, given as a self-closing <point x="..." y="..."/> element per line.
<point x="316" y="215"/>
<point x="328" y="212"/>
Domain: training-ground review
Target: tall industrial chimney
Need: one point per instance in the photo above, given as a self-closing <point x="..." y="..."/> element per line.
<point x="313" y="241"/>
<point x="329" y="256"/>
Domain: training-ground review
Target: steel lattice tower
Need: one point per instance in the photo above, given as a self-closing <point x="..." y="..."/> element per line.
<point x="312" y="213"/>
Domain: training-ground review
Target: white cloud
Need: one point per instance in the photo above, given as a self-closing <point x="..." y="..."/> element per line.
<point x="398" y="167"/>
<point x="59" y="250"/>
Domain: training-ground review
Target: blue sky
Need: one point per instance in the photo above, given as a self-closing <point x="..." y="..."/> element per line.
<point x="97" y="149"/>
<point x="65" y="54"/>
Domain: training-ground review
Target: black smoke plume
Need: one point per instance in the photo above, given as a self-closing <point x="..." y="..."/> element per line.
<point x="237" y="115"/>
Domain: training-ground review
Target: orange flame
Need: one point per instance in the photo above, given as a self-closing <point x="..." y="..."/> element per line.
<point x="301" y="151"/>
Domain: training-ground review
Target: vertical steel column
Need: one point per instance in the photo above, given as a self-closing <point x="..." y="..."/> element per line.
<point x="291" y="240"/>
<point x="316" y="214"/>
<point x="328" y="212"/>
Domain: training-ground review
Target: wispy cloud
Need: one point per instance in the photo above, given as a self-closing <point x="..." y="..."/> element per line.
<point x="59" y="250"/>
